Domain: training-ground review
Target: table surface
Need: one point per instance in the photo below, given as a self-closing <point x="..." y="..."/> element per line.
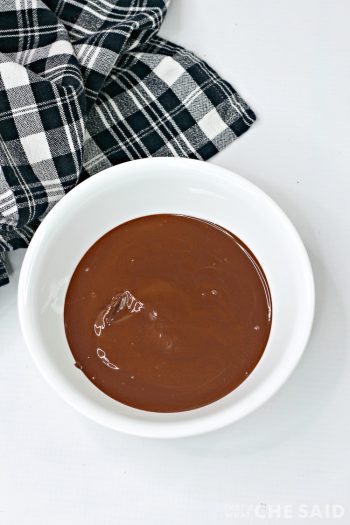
<point x="291" y="61"/>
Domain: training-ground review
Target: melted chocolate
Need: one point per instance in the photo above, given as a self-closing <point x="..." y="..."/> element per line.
<point x="167" y="313"/>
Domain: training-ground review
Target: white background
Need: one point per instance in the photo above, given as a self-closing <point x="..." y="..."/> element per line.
<point x="291" y="61"/>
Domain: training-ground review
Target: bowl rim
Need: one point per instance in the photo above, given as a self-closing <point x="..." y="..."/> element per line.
<point x="176" y="429"/>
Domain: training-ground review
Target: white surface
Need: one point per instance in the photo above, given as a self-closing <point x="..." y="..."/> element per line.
<point x="146" y="187"/>
<point x="291" y="61"/>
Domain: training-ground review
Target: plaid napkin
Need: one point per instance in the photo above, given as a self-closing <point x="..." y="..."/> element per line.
<point x="85" y="84"/>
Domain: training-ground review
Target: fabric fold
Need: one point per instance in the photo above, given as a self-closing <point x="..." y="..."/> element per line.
<point x="86" y="84"/>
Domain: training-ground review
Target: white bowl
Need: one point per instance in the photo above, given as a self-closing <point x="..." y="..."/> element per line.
<point x="164" y="185"/>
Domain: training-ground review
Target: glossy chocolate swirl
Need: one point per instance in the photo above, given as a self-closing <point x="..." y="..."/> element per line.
<point x="168" y="313"/>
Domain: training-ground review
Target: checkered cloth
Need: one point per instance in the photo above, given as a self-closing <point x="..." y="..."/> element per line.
<point x="85" y="84"/>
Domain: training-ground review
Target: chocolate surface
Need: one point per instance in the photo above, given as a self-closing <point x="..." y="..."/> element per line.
<point x="167" y="313"/>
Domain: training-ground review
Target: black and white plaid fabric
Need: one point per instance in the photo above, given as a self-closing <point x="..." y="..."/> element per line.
<point x="85" y="84"/>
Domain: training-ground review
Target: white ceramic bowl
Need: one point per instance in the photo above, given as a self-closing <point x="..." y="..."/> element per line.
<point x="164" y="185"/>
